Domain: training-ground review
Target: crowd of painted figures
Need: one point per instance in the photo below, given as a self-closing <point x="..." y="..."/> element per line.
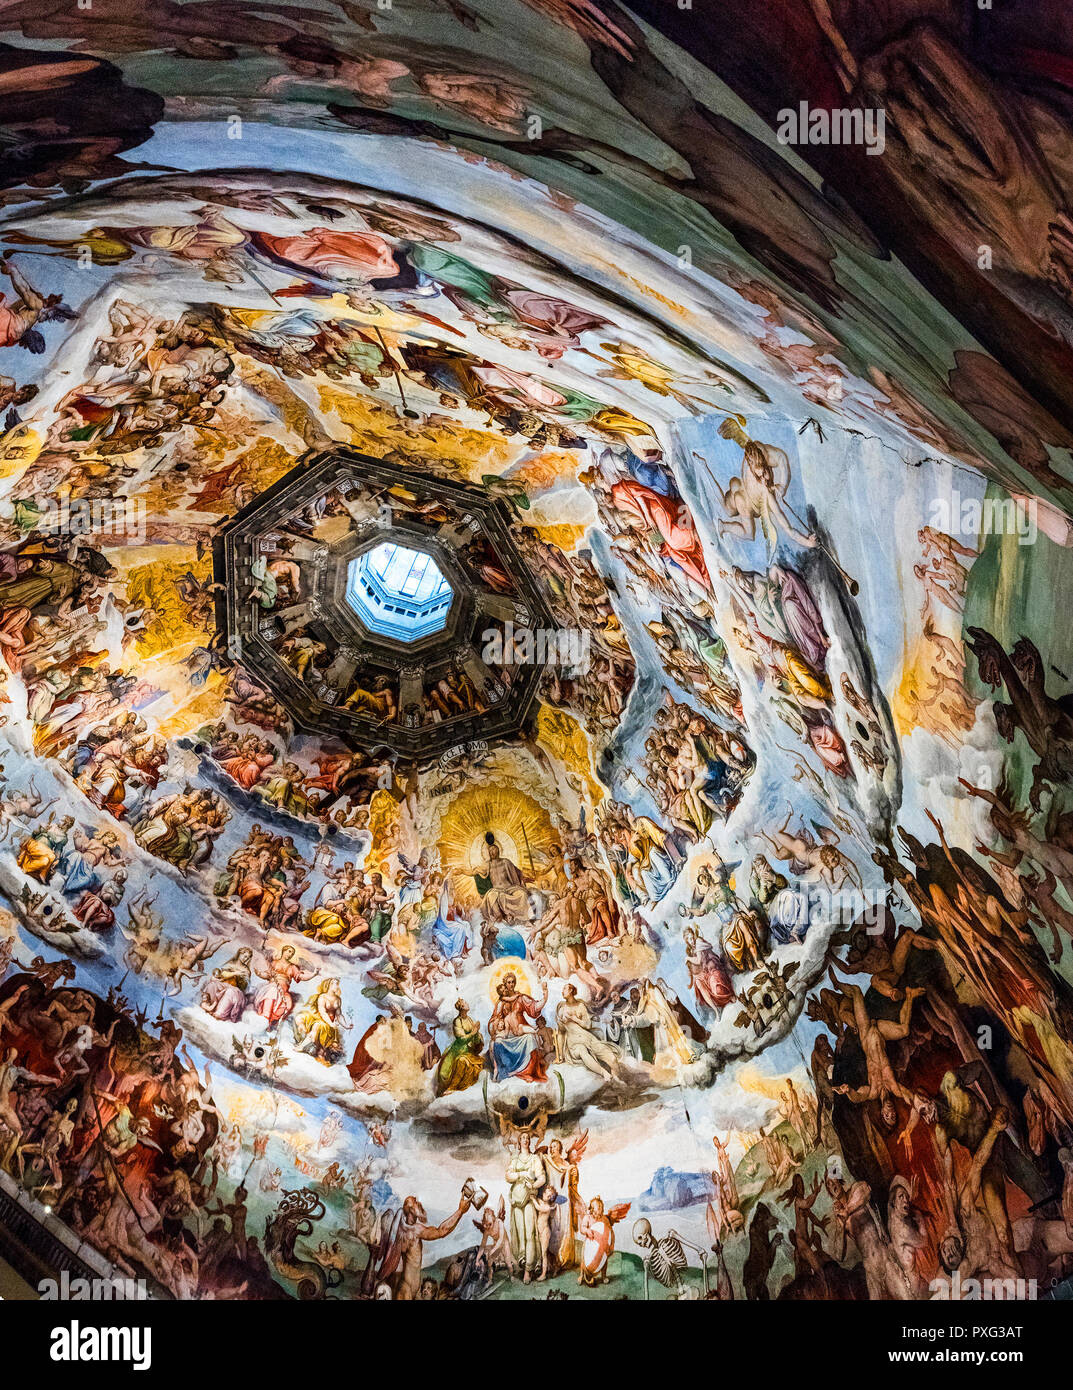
<point x="255" y="981"/>
<point x="969" y="1142"/>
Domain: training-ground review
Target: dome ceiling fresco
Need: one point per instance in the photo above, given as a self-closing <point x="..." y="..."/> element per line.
<point x="531" y="684"/>
<point x="367" y="599"/>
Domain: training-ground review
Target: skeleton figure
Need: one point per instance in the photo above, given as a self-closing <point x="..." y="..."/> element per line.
<point x="665" y="1258"/>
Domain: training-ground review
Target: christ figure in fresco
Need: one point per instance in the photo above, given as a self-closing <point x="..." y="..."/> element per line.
<point x="501" y="884"/>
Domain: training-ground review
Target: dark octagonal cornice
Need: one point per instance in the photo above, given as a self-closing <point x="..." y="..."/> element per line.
<point x="384" y="502"/>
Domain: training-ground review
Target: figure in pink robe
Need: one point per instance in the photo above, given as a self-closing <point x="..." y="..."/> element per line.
<point x="508" y="384"/>
<point x="274" y="1000"/>
<point x="671" y="519"/>
<point x="248" y="766"/>
<point x="348" y="255"/>
<point x="829" y="748"/>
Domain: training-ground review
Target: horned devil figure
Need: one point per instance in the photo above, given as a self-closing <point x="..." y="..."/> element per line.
<point x="665" y="1258"/>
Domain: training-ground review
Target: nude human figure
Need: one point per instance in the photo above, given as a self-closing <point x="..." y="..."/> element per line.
<point x="823" y="861"/>
<point x="854" y="1219"/>
<point x="874" y="1034"/>
<point x="908" y="1234"/>
<point x="413" y="1231"/>
<point x="759" y="493"/>
<point x="10" y="1073"/>
<point x="805" y="1237"/>
<point x="949" y="650"/>
<point x="972" y="1244"/>
<point x="495" y="1247"/>
<point x="57" y="1135"/>
<point x="545" y="1205"/>
<point x="933" y="589"/>
<point x="959" y="1115"/>
<point x="940" y="544"/>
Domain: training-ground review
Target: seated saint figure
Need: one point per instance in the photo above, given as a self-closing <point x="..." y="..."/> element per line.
<point x="318" y="1024"/>
<point x="460" y="1066"/>
<point x="515" y="1047"/>
<point x="501" y="884"/>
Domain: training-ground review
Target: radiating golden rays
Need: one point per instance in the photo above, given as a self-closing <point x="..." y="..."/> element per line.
<point x="384" y="829"/>
<point x="510" y="965"/>
<point x="545" y="470"/>
<point x="152" y="576"/>
<point x="459" y="451"/>
<point x="565" y="739"/>
<point x="202" y="708"/>
<point x="256" y="468"/>
<point x="520" y="824"/>
<point x="19" y="449"/>
<point x="566" y="536"/>
<point x="917" y="703"/>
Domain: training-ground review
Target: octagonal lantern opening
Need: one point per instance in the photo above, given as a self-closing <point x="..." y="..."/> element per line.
<point x="399" y="592"/>
<point x="388" y="583"/>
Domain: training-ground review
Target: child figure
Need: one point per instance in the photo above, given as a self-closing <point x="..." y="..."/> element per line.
<point x="494" y="1248"/>
<point x="545" y="1203"/>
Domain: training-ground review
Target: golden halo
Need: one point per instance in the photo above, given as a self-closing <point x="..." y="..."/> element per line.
<point x="507" y="846"/>
<point x="522" y="828"/>
<point x="509" y="965"/>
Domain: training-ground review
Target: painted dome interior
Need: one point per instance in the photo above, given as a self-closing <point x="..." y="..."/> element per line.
<point x="533" y="673"/>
